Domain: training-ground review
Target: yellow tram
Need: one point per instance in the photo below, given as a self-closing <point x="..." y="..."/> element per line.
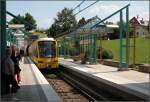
<point x="44" y="53"/>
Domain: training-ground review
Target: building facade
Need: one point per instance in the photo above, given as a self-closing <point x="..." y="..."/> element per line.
<point x="140" y="26"/>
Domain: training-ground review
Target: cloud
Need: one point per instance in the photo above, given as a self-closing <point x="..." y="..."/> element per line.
<point x="145" y="15"/>
<point x="78" y="17"/>
<point x="103" y="9"/>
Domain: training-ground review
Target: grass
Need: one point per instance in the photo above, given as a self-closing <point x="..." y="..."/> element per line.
<point x="141" y="53"/>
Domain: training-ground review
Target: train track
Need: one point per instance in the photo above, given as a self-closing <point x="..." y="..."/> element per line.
<point x="91" y="88"/>
<point x="75" y="80"/>
<point x="65" y="83"/>
<point x="95" y="88"/>
<point x="77" y="85"/>
<point x="63" y="88"/>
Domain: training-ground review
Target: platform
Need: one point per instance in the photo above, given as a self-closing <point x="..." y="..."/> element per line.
<point x="132" y="82"/>
<point x="34" y="87"/>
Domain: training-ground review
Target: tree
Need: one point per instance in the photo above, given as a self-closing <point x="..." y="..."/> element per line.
<point x="81" y="22"/>
<point x="54" y="30"/>
<point x="29" y="18"/>
<point x="64" y="21"/>
<point x="16" y="21"/>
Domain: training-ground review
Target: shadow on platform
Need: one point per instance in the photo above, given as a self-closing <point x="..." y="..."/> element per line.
<point x="32" y="93"/>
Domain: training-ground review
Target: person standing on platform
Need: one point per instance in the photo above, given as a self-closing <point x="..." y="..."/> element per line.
<point x="15" y="60"/>
<point x="18" y="56"/>
<point x="27" y="50"/>
<point x="8" y="73"/>
<point x="21" y="53"/>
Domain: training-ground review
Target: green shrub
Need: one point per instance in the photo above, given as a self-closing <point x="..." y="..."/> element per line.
<point x="106" y="54"/>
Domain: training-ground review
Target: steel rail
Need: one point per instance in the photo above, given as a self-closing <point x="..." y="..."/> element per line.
<point x="76" y="84"/>
<point x="81" y="86"/>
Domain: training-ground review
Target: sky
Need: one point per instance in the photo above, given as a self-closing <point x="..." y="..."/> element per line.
<point x="44" y="12"/>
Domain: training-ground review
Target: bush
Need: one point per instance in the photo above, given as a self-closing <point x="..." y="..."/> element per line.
<point x="106" y="54"/>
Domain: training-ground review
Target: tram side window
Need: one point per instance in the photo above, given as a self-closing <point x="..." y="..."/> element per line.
<point x="31" y="51"/>
<point x="53" y="49"/>
<point x="35" y="51"/>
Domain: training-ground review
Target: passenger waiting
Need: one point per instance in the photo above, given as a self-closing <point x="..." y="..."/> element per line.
<point x="18" y="56"/>
<point x="15" y="60"/>
<point x="22" y="52"/>
<point x="8" y="73"/>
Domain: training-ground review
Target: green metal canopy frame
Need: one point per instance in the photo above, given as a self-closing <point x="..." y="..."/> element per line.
<point x="4" y="34"/>
<point x="126" y="28"/>
<point x="3" y="28"/>
<point x="80" y="42"/>
<point x="19" y="19"/>
<point x="24" y="22"/>
<point x="91" y="48"/>
<point x="11" y="38"/>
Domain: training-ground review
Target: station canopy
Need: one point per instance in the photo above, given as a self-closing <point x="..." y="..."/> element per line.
<point x="86" y="29"/>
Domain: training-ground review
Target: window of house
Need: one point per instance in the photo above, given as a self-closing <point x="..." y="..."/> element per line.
<point x="137" y="33"/>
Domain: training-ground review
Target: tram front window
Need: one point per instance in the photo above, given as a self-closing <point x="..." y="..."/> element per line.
<point x="47" y="49"/>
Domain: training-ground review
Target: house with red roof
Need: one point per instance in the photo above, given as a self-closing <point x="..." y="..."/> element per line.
<point x="140" y="26"/>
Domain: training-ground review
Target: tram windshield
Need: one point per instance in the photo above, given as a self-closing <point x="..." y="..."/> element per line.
<point x="47" y="49"/>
